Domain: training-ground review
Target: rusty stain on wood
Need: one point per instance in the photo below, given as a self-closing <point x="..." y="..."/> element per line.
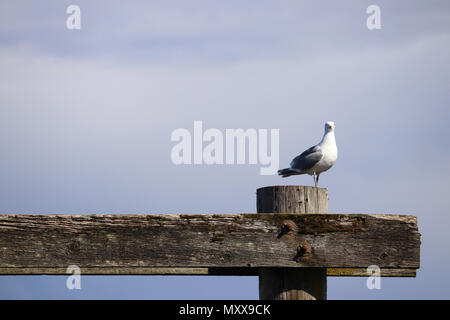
<point x="30" y="242"/>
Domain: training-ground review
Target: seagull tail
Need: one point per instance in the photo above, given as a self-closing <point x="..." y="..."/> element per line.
<point x="287" y="172"/>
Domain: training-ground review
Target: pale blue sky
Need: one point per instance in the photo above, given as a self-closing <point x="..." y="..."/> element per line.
<point x="86" y="118"/>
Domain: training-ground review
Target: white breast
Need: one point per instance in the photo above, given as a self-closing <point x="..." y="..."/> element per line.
<point x="329" y="148"/>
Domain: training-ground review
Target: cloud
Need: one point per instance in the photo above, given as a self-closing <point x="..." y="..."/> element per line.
<point x="215" y="32"/>
<point x="62" y="119"/>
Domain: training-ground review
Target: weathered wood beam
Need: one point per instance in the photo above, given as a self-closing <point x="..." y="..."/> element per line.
<point x="211" y="271"/>
<point x="138" y="244"/>
<point x="362" y="272"/>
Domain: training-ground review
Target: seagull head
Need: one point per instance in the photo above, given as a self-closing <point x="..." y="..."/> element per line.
<point x="329" y="126"/>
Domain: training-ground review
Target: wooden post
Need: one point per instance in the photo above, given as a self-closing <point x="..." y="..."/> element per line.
<point x="292" y="283"/>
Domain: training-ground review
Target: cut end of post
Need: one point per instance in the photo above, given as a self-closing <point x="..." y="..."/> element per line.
<point x="292" y="199"/>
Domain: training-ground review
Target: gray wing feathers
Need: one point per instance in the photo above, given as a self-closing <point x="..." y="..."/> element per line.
<point x="307" y="159"/>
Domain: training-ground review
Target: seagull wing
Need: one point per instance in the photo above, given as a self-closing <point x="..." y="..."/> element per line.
<point x="307" y="159"/>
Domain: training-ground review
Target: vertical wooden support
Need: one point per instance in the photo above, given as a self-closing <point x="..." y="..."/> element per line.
<point x="292" y="283"/>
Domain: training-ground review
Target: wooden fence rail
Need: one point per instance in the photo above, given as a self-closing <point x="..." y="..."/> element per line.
<point x="267" y="244"/>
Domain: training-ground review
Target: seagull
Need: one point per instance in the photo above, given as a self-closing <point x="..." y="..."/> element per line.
<point x="316" y="159"/>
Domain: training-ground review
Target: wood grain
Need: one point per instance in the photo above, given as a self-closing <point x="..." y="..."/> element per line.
<point x="210" y="271"/>
<point x="292" y="199"/>
<point x="30" y="243"/>
<point x="293" y="283"/>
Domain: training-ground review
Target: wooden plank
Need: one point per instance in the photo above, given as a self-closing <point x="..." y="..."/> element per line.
<point x="34" y="242"/>
<point x="214" y="271"/>
<point x="211" y="271"/>
<point x="361" y="272"/>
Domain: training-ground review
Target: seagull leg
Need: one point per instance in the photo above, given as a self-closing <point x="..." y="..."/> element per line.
<point x="317" y="179"/>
